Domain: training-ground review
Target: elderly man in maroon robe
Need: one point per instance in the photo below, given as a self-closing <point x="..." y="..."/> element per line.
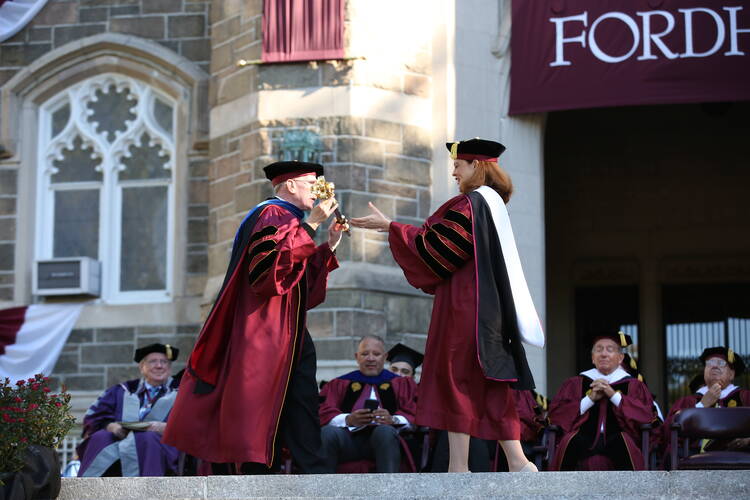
<point x="715" y="389"/>
<point x="251" y="376"/>
<point x="600" y="412"/>
<point x="122" y="430"/>
<point x="354" y="430"/>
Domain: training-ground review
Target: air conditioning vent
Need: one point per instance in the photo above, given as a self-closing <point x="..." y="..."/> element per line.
<point x="68" y="276"/>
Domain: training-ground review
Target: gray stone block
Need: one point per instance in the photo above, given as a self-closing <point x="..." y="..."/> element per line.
<point x="336" y="347"/>
<point x="320" y="323"/>
<point x="358" y="323"/>
<point x="92" y="14"/>
<point x="40" y="35"/>
<point x="115" y="335"/>
<point x="107" y="353"/>
<point x="7" y="252"/>
<point x="342" y="298"/>
<point x="125" y="10"/>
<point x="341" y="125"/>
<point x="196" y="50"/>
<point x="6" y="293"/>
<point x="143" y="488"/>
<point x="287" y="76"/>
<point x="197" y="262"/>
<point x="7" y="229"/>
<point x="66" y="363"/>
<point x="407" y="170"/>
<point x="21" y="55"/>
<point x="347" y="177"/>
<point x="8" y="206"/>
<point x="378" y="253"/>
<point x="417" y="142"/>
<point x="118" y="374"/>
<point x="197" y="231"/>
<point x="190" y="25"/>
<point x="83" y="382"/>
<point x="64" y="34"/>
<point x="146" y="27"/>
<point x="406" y="208"/>
<point x="408" y="314"/>
<point x="334" y="74"/>
<point x="390" y="131"/>
<point x="161" y="6"/>
<point x="81" y="335"/>
<point x="8" y="179"/>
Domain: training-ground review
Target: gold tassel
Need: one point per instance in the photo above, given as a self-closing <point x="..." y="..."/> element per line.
<point x="169" y="351"/>
<point x="623" y="342"/>
<point x="730" y="356"/>
<point x="454" y="150"/>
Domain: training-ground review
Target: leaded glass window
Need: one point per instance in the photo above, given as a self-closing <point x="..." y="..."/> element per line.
<point x="106" y="183"/>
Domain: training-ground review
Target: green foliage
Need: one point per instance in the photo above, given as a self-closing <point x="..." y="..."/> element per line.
<point x="30" y="414"/>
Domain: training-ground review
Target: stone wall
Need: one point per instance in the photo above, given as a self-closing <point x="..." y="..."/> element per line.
<point x="95" y="358"/>
<point x="180" y="25"/>
<point x="370" y="159"/>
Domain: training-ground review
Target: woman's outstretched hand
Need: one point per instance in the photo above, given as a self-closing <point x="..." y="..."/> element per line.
<point x="376" y="220"/>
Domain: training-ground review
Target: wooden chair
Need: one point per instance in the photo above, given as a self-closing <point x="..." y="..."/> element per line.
<point x="709" y="423"/>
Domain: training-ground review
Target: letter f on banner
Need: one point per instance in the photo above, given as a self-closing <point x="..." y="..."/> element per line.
<point x="560" y="40"/>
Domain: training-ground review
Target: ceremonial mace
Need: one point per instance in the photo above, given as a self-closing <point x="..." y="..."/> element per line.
<point x="323" y="191"/>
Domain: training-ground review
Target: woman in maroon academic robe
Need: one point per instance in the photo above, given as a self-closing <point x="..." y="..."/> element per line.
<point x="465" y="255"/>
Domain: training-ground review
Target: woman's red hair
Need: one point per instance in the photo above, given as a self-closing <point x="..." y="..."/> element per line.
<point x="489" y="173"/>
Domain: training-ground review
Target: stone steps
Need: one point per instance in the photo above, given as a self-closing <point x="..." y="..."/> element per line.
<point x="573" y="485"/>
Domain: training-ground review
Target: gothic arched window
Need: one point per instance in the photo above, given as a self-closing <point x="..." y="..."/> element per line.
<point x="105" y="183"/>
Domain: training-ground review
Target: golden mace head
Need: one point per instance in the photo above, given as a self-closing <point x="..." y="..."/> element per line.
<point x="322" y="189"/>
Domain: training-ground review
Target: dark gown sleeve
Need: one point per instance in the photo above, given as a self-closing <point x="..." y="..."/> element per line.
<point x="278" y="252"/>
<point x="636" y="408"/>
<point x="406" y="393"/>
<point x="102" y="412"/>
<point x="322" y="262"/>
<point x="565" y="407"/>
<point x="430" y="254"/>
<point x="529" y="414"/>
<point x="331" y="395"/>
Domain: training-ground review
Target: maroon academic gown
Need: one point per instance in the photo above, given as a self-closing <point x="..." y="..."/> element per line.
<point x="531" y="408"/>
<point x="584" y="446"/>
<point x="455" y="393"/>
<point x="736" y="397"/>
<point x="344" y="395"/>
<point x="231" y="396"/>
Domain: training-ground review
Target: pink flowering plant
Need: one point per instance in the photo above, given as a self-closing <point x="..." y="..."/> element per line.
<point x="30" y="413"/>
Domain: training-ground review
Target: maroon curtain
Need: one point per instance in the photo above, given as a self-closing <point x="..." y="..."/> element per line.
<point x="303" y="30"/>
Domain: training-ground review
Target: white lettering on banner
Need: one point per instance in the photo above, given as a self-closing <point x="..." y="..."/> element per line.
<point x="560" y="40"/>
<point x="733" y="31"/>
<point x="588" y="38"/>
<point x="649" y="37"/>
<point x="599" y="53"/>
<point x="689" y="32"/>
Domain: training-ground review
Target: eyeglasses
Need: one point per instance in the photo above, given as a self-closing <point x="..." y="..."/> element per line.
<point x="717" y="362"/>
<point x="155" y="362"/>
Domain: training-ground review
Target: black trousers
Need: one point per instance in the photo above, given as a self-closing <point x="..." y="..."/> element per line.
<point x="299" y="428"/>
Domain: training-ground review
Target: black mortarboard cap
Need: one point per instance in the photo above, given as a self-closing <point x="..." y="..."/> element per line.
<point x="475" y="149"/>
<point x="734" y="359"/>
<point x="170" y="352"/>
<point x="282" y="170"/>
<point x="401" y="352"/>
<point x="620" y="338"/>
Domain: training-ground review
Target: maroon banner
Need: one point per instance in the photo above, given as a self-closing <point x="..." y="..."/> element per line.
<point x="302" y="30"/>
<point x="569" y="54"/>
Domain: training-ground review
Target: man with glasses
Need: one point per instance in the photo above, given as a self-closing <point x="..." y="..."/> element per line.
<point x="250" y="380"/>
<point x="122" y="430"/>
<point x="720" y="366"/>
<point x="600" y="412"/>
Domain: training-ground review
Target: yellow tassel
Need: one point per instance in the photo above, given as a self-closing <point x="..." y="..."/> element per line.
<point x="454" y="150"/>
<point x="730" y="356"/>
<point x="640" y="378"/>
<point x="633" y="364"/>
<point x="169" y="351"/>
<point x="623" y="342"/>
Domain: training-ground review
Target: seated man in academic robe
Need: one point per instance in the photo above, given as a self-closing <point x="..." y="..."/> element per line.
<point x="714" y="389"/>
<point x="352" y="430"/>
<point x="122" y="430"/>
<point x="600" y="412"/>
